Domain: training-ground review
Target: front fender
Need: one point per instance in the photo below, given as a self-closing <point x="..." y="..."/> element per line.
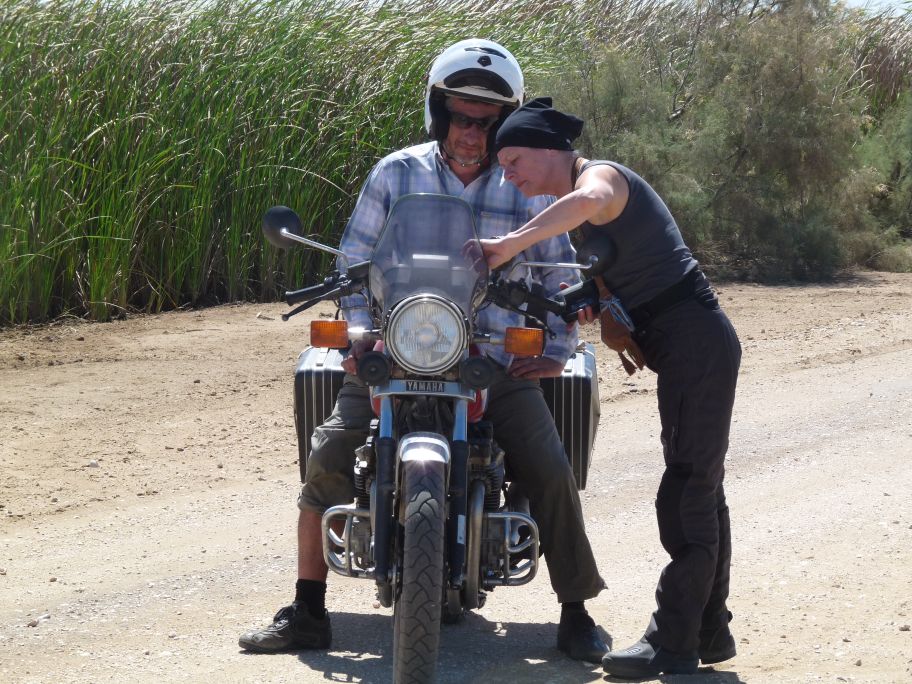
<point x="424" y="446"/>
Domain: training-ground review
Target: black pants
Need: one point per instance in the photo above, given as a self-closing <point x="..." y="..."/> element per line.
<point x="695" y="352"/>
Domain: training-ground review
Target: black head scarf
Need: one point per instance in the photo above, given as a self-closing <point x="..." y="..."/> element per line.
<point x="538" y="124"/>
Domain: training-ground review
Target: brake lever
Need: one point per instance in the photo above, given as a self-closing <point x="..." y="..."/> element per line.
<point x="344" y="289"/>
<point x="302" y="307"/>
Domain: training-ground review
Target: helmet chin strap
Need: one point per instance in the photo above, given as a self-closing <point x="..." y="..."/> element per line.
<point x="464" y="164"/>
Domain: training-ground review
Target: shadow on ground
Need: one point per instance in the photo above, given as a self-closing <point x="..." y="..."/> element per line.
<point x="475" y="650"/>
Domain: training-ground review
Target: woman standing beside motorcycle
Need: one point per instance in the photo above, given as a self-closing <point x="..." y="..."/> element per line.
<point x="685" y="338"/>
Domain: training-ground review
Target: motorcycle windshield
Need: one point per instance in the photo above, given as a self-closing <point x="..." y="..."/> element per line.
<point x="429" y="246"/>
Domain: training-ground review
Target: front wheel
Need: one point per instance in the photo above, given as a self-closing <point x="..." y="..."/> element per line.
<point x="416" y="616"/>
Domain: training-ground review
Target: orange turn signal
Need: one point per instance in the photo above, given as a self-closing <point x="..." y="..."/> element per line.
<point x="524" y="341"/>
<point x="332" y="334"/>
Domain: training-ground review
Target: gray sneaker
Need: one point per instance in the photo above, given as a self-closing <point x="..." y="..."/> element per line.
<point x="293" y="628"/>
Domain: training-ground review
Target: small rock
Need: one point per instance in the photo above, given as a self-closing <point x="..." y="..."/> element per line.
<point x="2" y="571"/>
<point x="80" y="339"/>
<point x="53" y="579"/>
<point x="904" y="628"/>
<point x="20" y="357"/>
<point x="172" y="635"/>
<point x="196" y="382"/>
<point x="858" y="663"/>
<point x="846" y="639"/>
<point x="264" y="316"/>
<point x="40" y="618"/>
<point x="93" y="464"/>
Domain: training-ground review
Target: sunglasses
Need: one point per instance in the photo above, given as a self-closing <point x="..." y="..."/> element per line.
<point x="462" y="121"/>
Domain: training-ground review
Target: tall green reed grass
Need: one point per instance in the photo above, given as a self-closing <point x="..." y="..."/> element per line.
<point x="140" y="142"/>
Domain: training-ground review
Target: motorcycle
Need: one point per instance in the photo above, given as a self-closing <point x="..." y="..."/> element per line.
<point x="436" y="522"/>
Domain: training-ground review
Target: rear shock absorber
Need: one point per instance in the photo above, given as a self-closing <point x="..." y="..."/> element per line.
<point x="487" y="463"/>
<point x="364" y="473"/>
<point x="365" y="467"/>
<point x="494" y="474"/>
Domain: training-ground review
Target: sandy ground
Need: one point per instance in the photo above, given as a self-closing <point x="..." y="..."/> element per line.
<point x="148" y="476"/>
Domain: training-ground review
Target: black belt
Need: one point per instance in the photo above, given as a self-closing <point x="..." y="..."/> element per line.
<point x="681" y="291"/>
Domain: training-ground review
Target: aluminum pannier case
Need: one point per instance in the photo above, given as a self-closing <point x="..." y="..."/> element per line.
<point x="572" y="398"/>
<point x="574" y="402"/>
<point x="318" y="379"/>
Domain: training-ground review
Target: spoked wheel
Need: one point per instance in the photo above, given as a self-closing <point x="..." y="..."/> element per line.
<point x="416" y="615"/>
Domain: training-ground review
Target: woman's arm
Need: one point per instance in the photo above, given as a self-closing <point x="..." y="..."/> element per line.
<point x="599" y="197"/>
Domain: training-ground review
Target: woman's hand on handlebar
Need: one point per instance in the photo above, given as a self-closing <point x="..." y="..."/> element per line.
<point x="584" y="315"/>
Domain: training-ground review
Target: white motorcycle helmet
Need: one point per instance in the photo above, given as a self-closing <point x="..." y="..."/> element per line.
<point x="474" y="69"/>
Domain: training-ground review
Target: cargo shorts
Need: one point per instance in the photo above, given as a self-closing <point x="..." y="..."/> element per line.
<point x="329" y="480"/>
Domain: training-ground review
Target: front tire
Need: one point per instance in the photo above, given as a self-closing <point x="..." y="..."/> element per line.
<point x="416" y="615"/>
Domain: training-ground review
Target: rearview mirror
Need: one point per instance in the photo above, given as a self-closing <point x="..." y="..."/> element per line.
<point x="600" y="246"/>
<point x="277" y="218"/>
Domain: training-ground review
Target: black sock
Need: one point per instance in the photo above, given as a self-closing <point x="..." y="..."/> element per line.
<point x="312" y="594"/>
<point x="572" y="606"/>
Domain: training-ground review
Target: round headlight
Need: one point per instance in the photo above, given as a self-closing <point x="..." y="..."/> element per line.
<point x="426" y="334"/>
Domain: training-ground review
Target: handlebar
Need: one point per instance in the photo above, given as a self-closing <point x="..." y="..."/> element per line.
<point x="510" y="294"/>
<point x="336" y="284"/>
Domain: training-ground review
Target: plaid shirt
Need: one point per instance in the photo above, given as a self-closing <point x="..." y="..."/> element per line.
<point x="499" y="208"/>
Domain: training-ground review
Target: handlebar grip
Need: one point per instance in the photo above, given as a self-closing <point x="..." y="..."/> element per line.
<point x="552" y="305"/>
<point x="295" y="296"/>
<point x="576" y="298"/>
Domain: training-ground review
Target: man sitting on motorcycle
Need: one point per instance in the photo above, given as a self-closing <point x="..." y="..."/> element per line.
<point x="472" y="87"/>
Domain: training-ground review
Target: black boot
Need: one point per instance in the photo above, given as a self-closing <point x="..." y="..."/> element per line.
<point x="716" y="645"/>
<point x="578" y="637"/>
<point x="292" y="628"/>
<point x="644" y="660"/>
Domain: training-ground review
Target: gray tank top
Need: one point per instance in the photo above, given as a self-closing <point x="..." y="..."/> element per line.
<point x="650" y="253"/>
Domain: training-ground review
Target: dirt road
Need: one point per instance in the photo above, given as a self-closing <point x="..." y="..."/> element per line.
<point x="148" y="478"/>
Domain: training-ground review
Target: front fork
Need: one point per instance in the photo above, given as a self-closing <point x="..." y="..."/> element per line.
<point x="458" y="496"/>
